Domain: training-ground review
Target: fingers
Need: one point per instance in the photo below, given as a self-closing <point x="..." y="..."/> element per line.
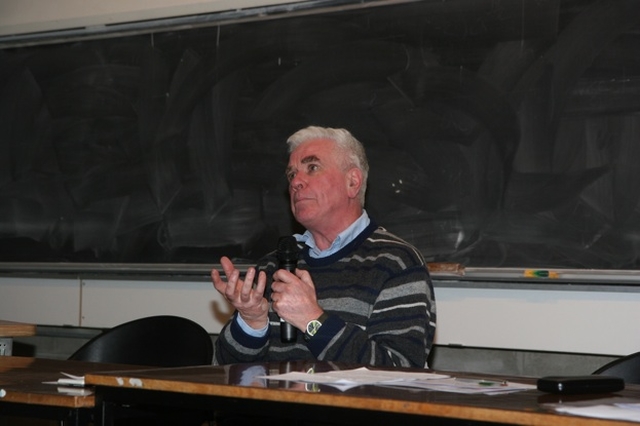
<point x="241" y="293"/>
<point x="285" y="276"/>
<point x="262" y="283"/>
<point x="217" y="280"/>
<point x="305" y="277"/>
<point x="227" y="288"/>
<point x="294" y="297"/>
<point x="227" y="266"/>
<point x="292" y="290"/>
<point x="218" y="283"/>
<point x="247" y="286"/>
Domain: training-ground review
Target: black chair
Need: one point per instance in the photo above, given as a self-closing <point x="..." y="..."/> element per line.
<point x="626" y="367"/>
<point x="157" y="341"/>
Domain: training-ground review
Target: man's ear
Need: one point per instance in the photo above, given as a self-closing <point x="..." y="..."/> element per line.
<point x="354" y="181"/>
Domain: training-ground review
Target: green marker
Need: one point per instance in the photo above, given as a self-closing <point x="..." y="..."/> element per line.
<point x="540" y="273"/>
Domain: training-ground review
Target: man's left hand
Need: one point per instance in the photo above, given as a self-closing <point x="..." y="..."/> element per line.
<point x="294" y="298"/>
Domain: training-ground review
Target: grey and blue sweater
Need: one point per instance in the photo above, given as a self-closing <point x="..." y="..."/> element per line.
<point x="379" y="298"/>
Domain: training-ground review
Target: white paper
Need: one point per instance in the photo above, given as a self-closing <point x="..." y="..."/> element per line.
<point x="74" y="391"/>
<point x="611" y="408"/>
<point x="347" y="379"/>
<point x="68" y="380"/>
<point x="611" y="412"/>
<point x="468" y="386"/>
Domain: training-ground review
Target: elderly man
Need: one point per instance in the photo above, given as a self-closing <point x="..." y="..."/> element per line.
<point x="359" y="294"/>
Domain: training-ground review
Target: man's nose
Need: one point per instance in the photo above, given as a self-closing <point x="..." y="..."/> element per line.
<point x="296" y="183"/>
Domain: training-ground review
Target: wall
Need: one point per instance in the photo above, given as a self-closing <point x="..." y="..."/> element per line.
<point x="104" y="303"/>
<point x="572" y="319"/>
<point x="559" y="318"/>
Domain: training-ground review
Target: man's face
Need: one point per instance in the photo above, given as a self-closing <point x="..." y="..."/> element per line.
<point x="318" y="187"/>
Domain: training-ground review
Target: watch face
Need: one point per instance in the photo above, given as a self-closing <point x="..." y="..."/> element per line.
<point x="312" y="327"/>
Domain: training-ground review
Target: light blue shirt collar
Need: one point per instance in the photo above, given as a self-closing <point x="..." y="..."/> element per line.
<point x="343" y="238"/>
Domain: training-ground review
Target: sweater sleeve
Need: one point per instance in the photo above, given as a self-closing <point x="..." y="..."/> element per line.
<point x="398" y="331"/>
<point x="233" y="345"/>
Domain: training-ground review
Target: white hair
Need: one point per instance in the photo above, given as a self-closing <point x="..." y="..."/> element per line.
<point x="346" y="142"/>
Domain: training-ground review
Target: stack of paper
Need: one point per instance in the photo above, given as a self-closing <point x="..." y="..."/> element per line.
<point x="469" y="386"/>
<point x="68" y="380"/>
<point x="613" y="408"/>
<point x="71" y="385"/>
<point x="346" y="379"/>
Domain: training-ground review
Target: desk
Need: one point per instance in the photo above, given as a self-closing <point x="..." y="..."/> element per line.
<point x="11" y="329"/>
<point x="230" y="388"/>
<point x="22" y="392"/>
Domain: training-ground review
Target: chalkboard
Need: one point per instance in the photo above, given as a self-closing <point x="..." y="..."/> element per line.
<point x="500" y="133"/>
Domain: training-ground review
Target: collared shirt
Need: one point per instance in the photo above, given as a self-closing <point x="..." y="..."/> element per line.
<point x="343" y="238"/>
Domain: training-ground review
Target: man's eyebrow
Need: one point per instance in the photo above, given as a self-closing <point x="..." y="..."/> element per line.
<point x="310" y="159"/>
<point x="306" y="160"/>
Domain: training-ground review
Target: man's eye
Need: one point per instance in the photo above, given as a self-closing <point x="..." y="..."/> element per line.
<point x="313" y="167"/>
<point x="290" y="176"/>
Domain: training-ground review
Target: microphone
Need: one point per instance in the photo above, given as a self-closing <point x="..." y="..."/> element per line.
<point x="287" y="254"/>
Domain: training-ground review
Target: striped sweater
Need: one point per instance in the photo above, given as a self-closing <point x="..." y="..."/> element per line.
<point x="379" y="298"/>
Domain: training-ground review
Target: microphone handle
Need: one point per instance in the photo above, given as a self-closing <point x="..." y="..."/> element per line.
<point x="288" y="333"/>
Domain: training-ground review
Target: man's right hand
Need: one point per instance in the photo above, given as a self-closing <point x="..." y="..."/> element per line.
<point x="250" y="302"/>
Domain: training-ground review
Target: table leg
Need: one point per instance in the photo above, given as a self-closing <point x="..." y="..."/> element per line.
<point x="104" y="414"/>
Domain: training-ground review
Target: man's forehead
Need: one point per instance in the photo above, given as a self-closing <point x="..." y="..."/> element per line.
<point x="314" y="147"/>
<point x="307" y="159"/>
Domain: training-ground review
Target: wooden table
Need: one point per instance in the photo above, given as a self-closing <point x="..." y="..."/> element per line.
<point x="11" y="329"/>
<point x="23" y="393"/>
<point x="229" y="390"/>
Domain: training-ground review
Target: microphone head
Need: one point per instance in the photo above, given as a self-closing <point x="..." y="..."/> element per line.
<point x="287" y="248"/>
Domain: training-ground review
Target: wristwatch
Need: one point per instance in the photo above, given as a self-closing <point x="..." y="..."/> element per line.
<point x="314" y="325"/>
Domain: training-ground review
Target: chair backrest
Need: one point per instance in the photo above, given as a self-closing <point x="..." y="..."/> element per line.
<point x="162" y="341"/>
<point x="627" y="367"/>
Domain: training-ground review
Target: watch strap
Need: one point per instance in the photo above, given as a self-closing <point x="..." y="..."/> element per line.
<point x="321" y="319"/>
